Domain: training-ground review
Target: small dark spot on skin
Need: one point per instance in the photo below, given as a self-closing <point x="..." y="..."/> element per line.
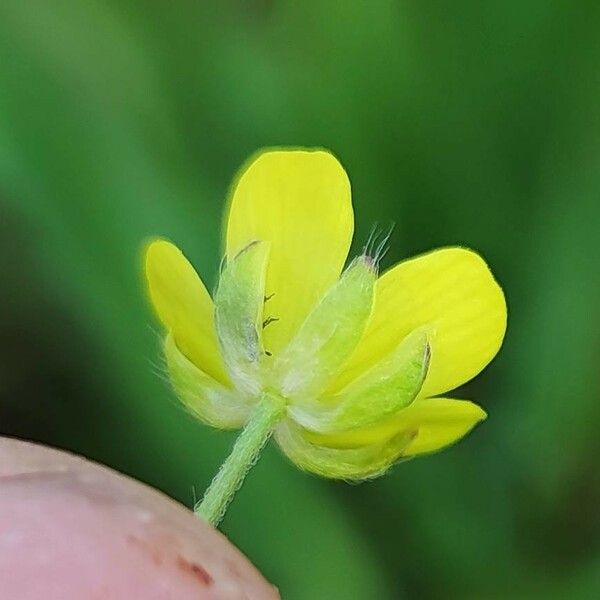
<point x="267" y="298"/>
<point x="194" y="569"/>
<point x="198" y="572"/>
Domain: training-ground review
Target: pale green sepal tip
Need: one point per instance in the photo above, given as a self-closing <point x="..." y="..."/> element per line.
<point x="207" y="399"/>
<point x="239" y="303"/>
<point x="328" y="335"/>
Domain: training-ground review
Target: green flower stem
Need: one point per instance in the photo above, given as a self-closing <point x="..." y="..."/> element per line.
<point x="245" y="453"/>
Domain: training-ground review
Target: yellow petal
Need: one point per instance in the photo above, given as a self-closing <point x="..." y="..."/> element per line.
<point x="350" y="464"/>
<point x="299" y="201"/>
<point x="452" y="292"/>
<point x="438" y="421"/>
<point x="442" y="421"/>
<point x="184" y="306"/>
<point x="207" y="399"/>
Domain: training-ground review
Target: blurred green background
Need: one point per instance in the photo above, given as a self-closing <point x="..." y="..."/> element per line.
<point x="469" y="122"/>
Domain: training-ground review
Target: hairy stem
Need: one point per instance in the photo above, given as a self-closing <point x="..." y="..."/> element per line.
<point x="244" y="455"/>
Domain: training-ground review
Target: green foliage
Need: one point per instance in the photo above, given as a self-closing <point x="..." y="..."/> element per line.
<point x="470" y="123"/>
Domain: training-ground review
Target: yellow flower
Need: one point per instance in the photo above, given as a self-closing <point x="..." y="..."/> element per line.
<point x="355" y="364"/>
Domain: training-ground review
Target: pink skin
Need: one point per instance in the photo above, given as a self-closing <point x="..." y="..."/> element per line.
<point x="72" y="529"/>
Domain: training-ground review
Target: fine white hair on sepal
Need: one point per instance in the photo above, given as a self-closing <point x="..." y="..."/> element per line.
<point x="373" y="233"/>
<point x="377" y="244"/>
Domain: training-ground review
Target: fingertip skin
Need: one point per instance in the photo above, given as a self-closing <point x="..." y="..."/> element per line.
<point x="73" y="529"/>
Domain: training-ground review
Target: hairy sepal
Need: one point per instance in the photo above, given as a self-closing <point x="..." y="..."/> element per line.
<point x="239" y="304"/>
<point x="350" y="464"/>
<point x="328" y="335"/>
<point x="388" y="387"/>
<point x="207" y="399"/>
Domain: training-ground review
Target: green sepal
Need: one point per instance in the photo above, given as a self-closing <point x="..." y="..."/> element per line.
<point x="239" y="303"/>
<point x="204" y="397"/>
<point x="350" y="464"/>
<point x="389" y="386"/>
<point x="328" y="335"/>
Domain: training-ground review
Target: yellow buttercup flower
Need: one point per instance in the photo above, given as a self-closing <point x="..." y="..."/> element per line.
<point x="347" y="369"/>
